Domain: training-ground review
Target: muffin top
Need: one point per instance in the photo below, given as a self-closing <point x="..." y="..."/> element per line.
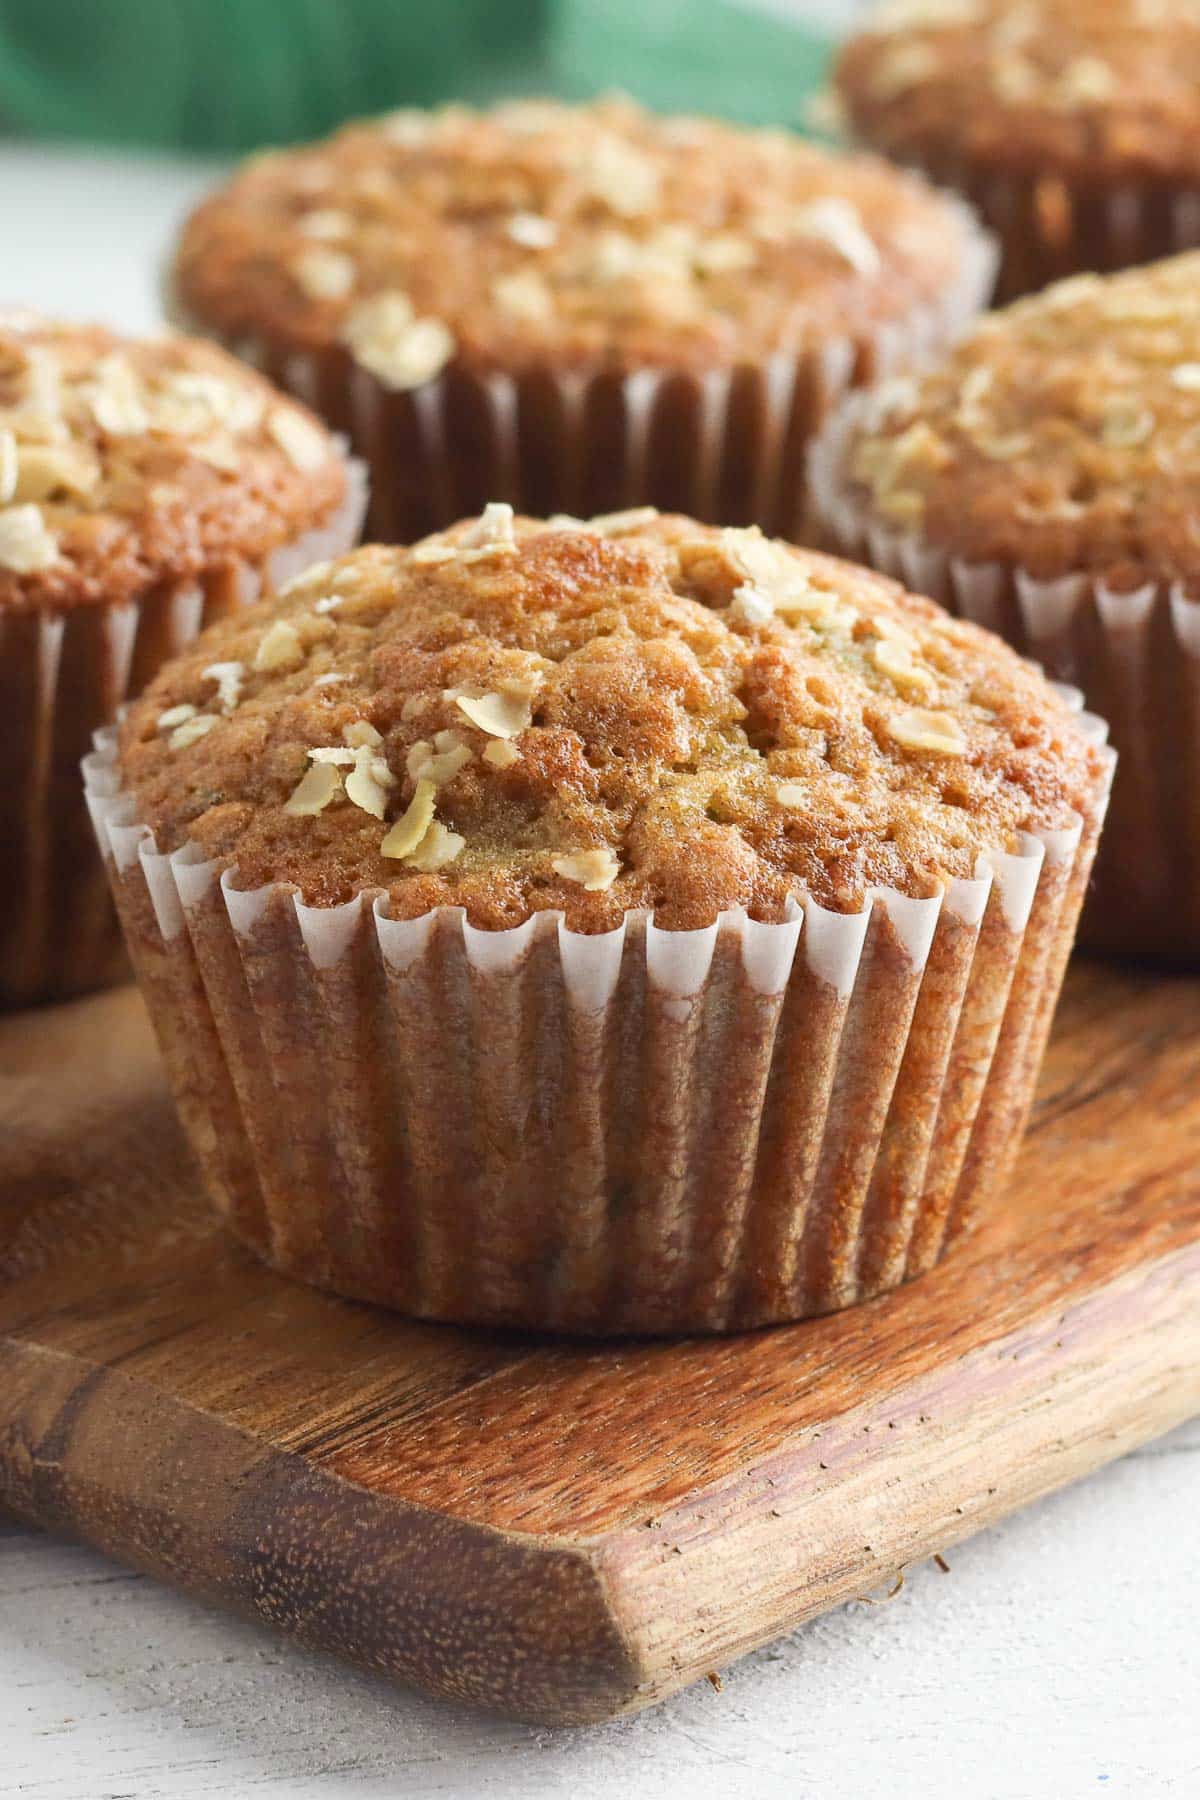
<point x="592" y="236"/>
<point x="635" y="711"/>
<point x="1063" y="433"/>
<point x="1100" y="88"/>
<point x="124" y="463"/>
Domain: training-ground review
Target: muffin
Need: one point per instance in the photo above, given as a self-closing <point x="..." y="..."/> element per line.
<point x="1044" y="480"/>
<point x="575" y="308"/>
<point x="146" y="488"/>
<point x="1074" y="129"/>
<point x="624" y="926"/>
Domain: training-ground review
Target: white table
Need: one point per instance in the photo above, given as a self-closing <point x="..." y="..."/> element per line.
<point x="1056" y="1660"/>
<point x="1060" y="1657"/>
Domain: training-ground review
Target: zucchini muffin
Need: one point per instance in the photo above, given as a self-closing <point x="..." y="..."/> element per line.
<point x="1044" y="480"/>
<point x="1074" y="129"/>
<point x="577" y="308"/>
<point x="613" y="926"/>
<point x="146" y="488"/>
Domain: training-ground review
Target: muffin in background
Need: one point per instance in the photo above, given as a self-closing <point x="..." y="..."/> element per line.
<point x="1074" y="129"/>
<point x="575" y="308"/>
<point x="612" y="926"/>
<point x="146" y="488"/>
<point x="1044" y="480"/>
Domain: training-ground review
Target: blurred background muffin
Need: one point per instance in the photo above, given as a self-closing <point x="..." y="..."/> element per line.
<point x="611" y="926"/>
<point x="1044" y="480"/>
<point x="146" y="487"/>
<point x="1073" y="128"/>
<point x="576" y="308"/>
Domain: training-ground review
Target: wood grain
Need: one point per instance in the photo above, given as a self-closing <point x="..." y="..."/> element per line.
<point x="566" y="1531"/>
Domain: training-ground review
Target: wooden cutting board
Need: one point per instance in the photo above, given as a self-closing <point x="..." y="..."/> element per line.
<point x="566" y="1531"/>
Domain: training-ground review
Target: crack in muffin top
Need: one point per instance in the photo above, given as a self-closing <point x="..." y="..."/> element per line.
<point x="587" y="236"/>
<point x="125" y="462"/>
<point x="1062" y="433"/>
<point x="1096" y="88"/>
<point x="635" y="711"/>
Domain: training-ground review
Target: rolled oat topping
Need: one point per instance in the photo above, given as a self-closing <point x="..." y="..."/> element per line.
<point x="1062" y="433"/>
<point x="123" y="462"/>
<point x="1094" y="86"/>
<point x="593" y="722"/>
<point x="534" y="232"/>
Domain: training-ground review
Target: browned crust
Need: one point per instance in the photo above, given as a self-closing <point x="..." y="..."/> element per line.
<point x="1062" y="435"/>
<point x="188" y="496"/>
<point x="1133" y="656"/>
<point x="1097" y="91"/>
<point x="666" y="730"/>
<point x="425" y="207"/>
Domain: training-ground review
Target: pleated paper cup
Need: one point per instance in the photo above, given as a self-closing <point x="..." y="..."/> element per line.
<point x="642" y="1131"/>
<point x="63" y="674"/>
<point x="729" y="445"/>
<point x="1136" y="656"/>
<point x="1048" y="226"/>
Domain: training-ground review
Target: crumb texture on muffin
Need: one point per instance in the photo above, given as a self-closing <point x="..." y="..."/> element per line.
<point x="1061" y="434"/>
<point x="125" y="462"/>
<point x="636" y="711"/>
<point x="1090" y="88"/>
<point x="592" y="237"/>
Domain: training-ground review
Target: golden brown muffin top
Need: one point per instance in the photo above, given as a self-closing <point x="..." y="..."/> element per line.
<point x="1095" y="88"/>
<point x="635" y="711"/>
<point x="1063" y="433"/>
<point x="594" y="236"/>
<point x="126" y="462"/>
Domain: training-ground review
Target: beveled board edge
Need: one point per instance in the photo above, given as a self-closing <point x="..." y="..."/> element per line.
<point x="557" y="1631"/>
<point x="464" y="1611"/>
<point x="843" y="1510"/>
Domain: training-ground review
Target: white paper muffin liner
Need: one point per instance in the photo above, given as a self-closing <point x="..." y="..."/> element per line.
<point x="1048" y="227"/>
<point x="62" y="674"/>
<point x="729" y="445"/>
<point x="1135" y="655"/>
<point x="642" y="1131"/>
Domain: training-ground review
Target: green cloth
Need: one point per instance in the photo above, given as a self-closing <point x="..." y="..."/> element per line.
<point x="229" y="75"/>
<point x="705" y="56"/>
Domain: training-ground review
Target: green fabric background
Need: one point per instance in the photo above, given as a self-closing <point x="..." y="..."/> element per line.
<point x="226" y="75"/>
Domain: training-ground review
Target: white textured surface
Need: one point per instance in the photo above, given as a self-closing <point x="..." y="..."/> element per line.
<point x="84" y="236"/>
<point x="1059" y="1658"/>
